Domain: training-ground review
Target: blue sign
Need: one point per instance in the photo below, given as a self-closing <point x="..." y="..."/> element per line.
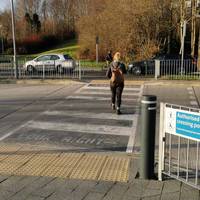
<point x="188" y="125"/>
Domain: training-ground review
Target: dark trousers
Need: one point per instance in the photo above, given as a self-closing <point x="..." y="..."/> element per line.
<point x="116" y="93"/>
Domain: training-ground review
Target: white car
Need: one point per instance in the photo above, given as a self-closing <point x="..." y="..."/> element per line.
<point x="51" y="62"/>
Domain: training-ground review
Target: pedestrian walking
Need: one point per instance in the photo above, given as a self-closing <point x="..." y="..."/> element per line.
<point x="116" y="73"/>
<point x="109" y="58"/>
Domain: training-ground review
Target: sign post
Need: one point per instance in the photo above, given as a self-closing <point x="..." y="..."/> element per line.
<point x="97" y="50"/>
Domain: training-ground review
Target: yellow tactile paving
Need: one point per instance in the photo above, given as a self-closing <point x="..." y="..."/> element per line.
<point x="43" y="159"/>
<point x="3" y="157"/>
<point x="9" y="168"/>
<point x="67" y="159"/>
<point x="89" y="167"/>
<point x="21" y="159"/>
<point x="30" y="170"/>
<point x="115" y="169"/>
<point x="56" y="171"/>
<point x="9" y="149"/>
<point x="65" y="165"/>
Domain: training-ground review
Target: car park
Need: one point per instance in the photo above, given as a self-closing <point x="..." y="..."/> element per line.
<point x="51" y="62"/>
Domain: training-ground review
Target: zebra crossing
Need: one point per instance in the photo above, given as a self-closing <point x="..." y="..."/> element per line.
<point x="85" y="120"/>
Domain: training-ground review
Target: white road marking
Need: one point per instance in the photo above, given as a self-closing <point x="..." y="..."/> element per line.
<point x="194" y="103"/>
<point x="192" y="97"/>
<point x="131" y="141"/>
<point x="191" y="92"/>
<point x="108" y="88"/>
<point x="105" y="93"/>
<point x="89" y="115"/>
<point x="97" y="98"/>
<point x="83" y="128"/>
<point x="14" y="131"/>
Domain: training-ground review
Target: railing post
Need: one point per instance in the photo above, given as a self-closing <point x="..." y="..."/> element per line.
<point x="79" y="69"/>
<point x="157" y="69"/>
<point x="148" y="124"/>
<point x="161" y="142"/>
<point x="43" y="75"/>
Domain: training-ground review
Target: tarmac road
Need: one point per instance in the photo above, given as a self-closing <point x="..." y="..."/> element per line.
<point x="78" y="117"/>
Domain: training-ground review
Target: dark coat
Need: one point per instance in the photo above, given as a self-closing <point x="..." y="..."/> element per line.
<point x="110" y="69"/>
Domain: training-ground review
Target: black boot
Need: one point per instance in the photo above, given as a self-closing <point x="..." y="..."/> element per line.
<point x="118" y="111"/>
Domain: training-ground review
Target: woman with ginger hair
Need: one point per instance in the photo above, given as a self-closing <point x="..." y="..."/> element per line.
<point x="116" y="73"/>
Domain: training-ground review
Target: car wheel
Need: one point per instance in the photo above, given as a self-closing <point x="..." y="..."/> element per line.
<point x="60" y="69"/>
<point x="136" y="71"/>
<point x="30" y="69"/>
<point x="129" y="71"/>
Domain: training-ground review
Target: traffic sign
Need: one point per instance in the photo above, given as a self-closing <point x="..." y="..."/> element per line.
<point x="183" y="123"/>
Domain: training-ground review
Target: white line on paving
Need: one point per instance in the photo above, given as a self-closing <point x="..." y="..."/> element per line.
<point x="108" y="88"/>
<point x="131" y="140"/>
<point x="83" y="128"/>
<point x="190" y="92"/>
<point x="106" y="93"/>
<point x="97" y="98"/>
<point x="141" y="90"/>
<point x="194" y="103"/>
<point x="192" y="97"/>
<point x="127" y="117"/>
<point x="80" y="89"/>
<point x="189" y="88"/>
<point x="14" y="131"/>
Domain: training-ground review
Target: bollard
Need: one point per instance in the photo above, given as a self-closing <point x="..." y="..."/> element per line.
<point x="148" y="124"/>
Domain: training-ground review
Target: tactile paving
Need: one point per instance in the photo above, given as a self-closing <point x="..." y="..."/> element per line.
<point x="115" y="169"/>
<point x="66" y="165"/>
<point x="9" y="168"/>
<point x="9" y="148"/>
<point x="21" y="159"/>
<point x="89" y="167"/>
<point x="63" y="165"/>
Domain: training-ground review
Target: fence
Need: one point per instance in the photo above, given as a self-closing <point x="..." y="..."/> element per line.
<point x="158" y="69"/>
<point x="49" y="69"/>
<point x="176" y="69"/>
<point x="179" y="152"/>
<point x="42" y="71"/>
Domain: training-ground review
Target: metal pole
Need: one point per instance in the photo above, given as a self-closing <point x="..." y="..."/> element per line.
<point x="97" y="50"/>
<point x="79" y="69"/>
<point x="148" y="122"/>
<point x="14" y="40"/>
<point x="97" y="54"/>
<point x="161" y="141"/>
<point x="183" y="45"/>
<point x="2" y="47"/>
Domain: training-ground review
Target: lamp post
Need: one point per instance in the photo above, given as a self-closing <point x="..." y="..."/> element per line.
<point x="14" y="41"/>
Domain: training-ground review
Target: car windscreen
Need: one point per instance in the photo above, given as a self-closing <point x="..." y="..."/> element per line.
<point x="67" y="57"/>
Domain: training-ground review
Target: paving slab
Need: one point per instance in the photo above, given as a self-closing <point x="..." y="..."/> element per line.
<point x="94" y="195"/>
<point x="102" y="187"/>
<point x="188" y="192"/>
<point x="171" y="196"/>
<point x="116" y="192"/>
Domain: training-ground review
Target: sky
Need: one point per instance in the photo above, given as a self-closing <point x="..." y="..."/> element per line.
<point x="4" y="4"/>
